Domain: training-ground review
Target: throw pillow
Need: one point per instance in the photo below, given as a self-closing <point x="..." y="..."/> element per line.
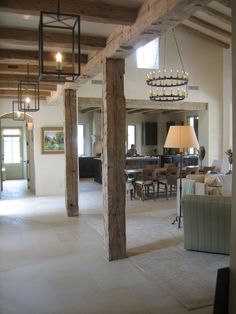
<point x="212" y="181"/>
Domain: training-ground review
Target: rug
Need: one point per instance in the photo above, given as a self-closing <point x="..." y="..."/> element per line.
<point x="189" y="276"/>
<point x="155" y="246"/>
<point x="145" y="231"/>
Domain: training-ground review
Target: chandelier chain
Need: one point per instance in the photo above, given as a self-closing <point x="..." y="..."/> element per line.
<point x="58" y="7"/>
<point x="177" y="46"/>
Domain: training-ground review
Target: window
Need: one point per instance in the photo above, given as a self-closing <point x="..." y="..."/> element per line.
<point x="131" y="135"/>
<point x="193" y="121"/>
<point x="11" y="144"/>
<point x="80" y="139"/>
<point x="148" y="55"/>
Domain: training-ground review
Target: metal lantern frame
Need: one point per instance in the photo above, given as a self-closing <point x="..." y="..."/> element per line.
<point x="33" y="93"/>
<point x="15" y="113"/>
<point x="71" y="25"/>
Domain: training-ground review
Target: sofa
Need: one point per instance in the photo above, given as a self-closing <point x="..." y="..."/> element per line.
<point x="204" y="184"/>
<point x="207" y="223"/>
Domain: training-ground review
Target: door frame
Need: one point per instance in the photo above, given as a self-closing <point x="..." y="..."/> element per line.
<point x="28" y="140"/>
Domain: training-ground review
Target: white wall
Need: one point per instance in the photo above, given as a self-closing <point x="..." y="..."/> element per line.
<point x="50" y="168"/>
<point x="204" y="62"/>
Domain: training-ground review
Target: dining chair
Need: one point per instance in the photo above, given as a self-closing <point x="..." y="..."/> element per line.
<point x="169" y="181"/>
<point x="145" y="187"/>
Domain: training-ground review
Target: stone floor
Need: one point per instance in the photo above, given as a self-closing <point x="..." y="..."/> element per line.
<point x="52" y="264"/>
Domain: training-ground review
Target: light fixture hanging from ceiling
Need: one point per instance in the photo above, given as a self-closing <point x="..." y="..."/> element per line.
<point x="28" y="94"/>
<point x="57" y="66"/>
<point x="16" y="114"/>
<point x="168" y="85"/>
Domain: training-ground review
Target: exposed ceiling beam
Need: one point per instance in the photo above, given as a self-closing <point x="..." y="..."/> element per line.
<point x="88" y="11"/>
<point x="210" y="27"/>
<point x="17" y="78"/>
<point x="154" y="18"/>
<point x="173" y="111"/>
<point x="151" y="111"/>
<point x="14" y="93"/>
<point x="29" y="92"/>
<point x="226" y="3"/>
<point x="90" y="109"/>
<point x="42" y="87"/>
<point x="22" y="69"/>
<point x="28" y="37"/>
<point x="32" y="57"/>
<point x="131" y="111"/>
<point x="218" y="15"/>
<point x="202" y="35"/>
<point x="88" y="102"/>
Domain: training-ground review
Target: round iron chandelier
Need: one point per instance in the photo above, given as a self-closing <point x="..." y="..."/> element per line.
<point x="168" y="85"/>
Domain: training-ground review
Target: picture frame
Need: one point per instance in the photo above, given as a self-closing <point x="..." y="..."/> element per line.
<point x="52" y="140"/>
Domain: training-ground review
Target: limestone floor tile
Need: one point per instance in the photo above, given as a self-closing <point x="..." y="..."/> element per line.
<point x="52" y="264"/>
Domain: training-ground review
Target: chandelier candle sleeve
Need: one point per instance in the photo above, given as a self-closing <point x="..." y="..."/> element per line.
<point x="58" y="61"/>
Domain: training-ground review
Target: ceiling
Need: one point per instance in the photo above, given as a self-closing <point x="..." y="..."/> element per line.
<point x="109" y="28"/>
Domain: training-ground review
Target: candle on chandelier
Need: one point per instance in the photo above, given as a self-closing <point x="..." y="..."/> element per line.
<point x="58" y="61"/>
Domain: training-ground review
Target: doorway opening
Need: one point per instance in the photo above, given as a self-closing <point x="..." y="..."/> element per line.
<point x="17" y="157"/>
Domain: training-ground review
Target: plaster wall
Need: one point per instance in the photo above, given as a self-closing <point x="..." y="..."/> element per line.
<point x="50" y="168"/>
<point x="204" y="62"/>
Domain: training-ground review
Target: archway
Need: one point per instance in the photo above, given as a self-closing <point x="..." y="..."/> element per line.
<point x="17" y="155"/>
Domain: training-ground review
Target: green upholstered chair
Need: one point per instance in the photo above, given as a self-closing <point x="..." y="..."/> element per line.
<point x="207" y="220"/>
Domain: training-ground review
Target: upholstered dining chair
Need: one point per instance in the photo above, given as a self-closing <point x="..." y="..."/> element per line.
<point x="144" y="186"/>
<point x="169" y="181"/>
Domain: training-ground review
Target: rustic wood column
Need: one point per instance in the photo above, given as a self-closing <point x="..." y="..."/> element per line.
<point x="113" y="163"/>
<point x="71" y="153"/>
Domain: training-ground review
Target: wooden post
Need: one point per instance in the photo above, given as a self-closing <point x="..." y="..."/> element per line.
<point x="113" y="163"/>
<point x="71" y="153"/>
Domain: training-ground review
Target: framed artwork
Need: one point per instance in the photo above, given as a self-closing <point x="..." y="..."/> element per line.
<point x="52" y="140"/>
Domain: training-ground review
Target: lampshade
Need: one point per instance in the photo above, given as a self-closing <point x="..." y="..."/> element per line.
<point x="181" y="136"/>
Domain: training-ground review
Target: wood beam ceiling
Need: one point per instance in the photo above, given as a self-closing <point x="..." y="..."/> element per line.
<point x="226" y="3"/>
<point x="88" y="11"/>
<point x="28" y="37"/>
<point x="22" y="69"/>
<point x="10" y="56"/>
<point x="16" y="78"/>
<point x="14" y="94"/>
<point x="14" y="86"/>
<point x="202" y="35"/>
<point x="154" y="18"/>
<point x="210" y="27"/>
<point x="218" y="15"/>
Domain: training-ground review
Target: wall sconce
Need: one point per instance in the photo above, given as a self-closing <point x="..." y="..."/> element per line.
<point x="29" y="125"/>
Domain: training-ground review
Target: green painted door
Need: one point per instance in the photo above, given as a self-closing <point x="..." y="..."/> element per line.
<point x="12" y="152"/>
